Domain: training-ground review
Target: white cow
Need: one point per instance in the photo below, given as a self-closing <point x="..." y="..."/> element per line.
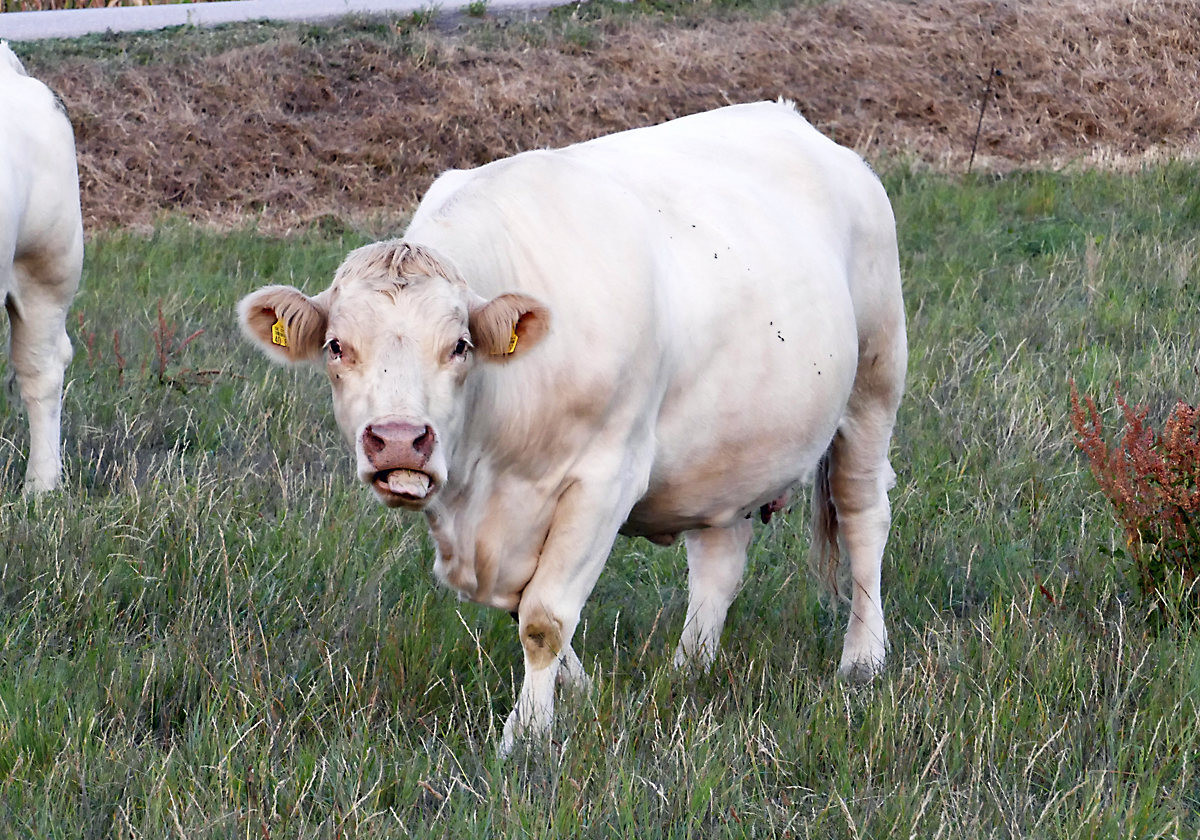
<point x="656" y="332"/>
<point x="41" y="253"/>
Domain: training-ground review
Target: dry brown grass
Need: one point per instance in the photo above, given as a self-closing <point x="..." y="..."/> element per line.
<point x="292" y="131"/>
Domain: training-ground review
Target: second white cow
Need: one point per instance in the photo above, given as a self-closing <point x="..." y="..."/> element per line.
<point x="658" y="332"/>
<point x="41" y="253"/>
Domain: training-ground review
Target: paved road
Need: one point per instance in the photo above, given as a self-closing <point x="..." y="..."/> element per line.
<point x="71" y="23"/>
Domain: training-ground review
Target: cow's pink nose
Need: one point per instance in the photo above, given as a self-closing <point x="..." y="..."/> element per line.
<point x="394" y="444"/>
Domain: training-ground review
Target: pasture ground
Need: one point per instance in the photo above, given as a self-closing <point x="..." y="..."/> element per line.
<point x="212" y="631"/>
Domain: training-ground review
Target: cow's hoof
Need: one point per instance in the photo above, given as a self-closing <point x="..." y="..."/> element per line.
<point x="519" y="735"/>
<point x="507" y="743"/>
<point x="698" y="661"/>
<point x="860" y="672"/>
<point x="36" y="485"/>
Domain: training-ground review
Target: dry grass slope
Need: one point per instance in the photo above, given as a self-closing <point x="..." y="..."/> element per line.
<point x="294" y="129"/>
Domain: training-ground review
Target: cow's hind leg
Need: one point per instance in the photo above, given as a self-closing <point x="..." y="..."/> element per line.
<point x="860" y="476"/>
<point x="39" y="351"/>
<point x="856" y="477"/>
<point x="716" y="562"/>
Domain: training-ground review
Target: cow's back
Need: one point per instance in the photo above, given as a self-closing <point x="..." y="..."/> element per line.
<point x="709" y="277"/>
<point x="782" y="259"/>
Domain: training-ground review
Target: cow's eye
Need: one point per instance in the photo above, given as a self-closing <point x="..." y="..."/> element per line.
<point x="334" y="347"/>
<point x="462" y="347"/>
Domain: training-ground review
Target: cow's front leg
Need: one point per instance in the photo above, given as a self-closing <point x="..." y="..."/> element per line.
<point x="533" y="714"/>
<point x="716" y="560"/>
<point x="585" y="524"/>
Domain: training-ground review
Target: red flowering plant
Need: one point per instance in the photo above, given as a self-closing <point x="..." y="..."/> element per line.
<point x="1153" y="483"/>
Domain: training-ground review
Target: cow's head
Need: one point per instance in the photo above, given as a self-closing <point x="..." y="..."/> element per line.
<point x="399" y="331"/>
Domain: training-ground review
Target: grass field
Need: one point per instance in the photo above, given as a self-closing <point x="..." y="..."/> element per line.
<point x="213" y="632"/>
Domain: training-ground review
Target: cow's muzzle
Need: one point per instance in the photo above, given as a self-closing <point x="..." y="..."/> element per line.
<point x="398" y="453"/>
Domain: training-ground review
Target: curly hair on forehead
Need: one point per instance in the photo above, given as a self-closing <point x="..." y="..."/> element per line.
<point x="393" y="265"/>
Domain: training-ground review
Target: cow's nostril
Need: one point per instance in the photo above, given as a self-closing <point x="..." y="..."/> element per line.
<point x="423" y="443"/>
<point x="373" y="444"/>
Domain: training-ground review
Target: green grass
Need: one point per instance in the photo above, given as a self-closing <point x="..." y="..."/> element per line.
<point x="213" y="632"/>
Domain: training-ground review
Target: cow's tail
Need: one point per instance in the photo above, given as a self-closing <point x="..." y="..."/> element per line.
<point x="824" y="555"/>
<point x="9" y="60"/>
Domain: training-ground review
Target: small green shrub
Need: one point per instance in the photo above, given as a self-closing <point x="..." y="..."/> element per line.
<point x="477" y="8"/>
<point x="1153" y="482"/>
<point x="418" y="19"/>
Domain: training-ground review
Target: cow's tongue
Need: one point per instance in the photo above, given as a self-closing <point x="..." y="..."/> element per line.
<point x="408" y="483"/>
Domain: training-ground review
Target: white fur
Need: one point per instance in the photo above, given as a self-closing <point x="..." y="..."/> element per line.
<point x="41" y="253"/>
<point x="10" y="58"/>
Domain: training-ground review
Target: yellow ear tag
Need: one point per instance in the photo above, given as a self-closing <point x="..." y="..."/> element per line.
<point x="279" y="333"/>
<point x="512" y="342"/>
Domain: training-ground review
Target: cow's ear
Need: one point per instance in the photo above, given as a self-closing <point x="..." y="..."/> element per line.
<point x="506" y="326"/>
<point x="286" y="324"/>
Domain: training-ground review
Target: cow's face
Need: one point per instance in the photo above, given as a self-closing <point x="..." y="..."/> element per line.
<point x="399" y="332"/>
